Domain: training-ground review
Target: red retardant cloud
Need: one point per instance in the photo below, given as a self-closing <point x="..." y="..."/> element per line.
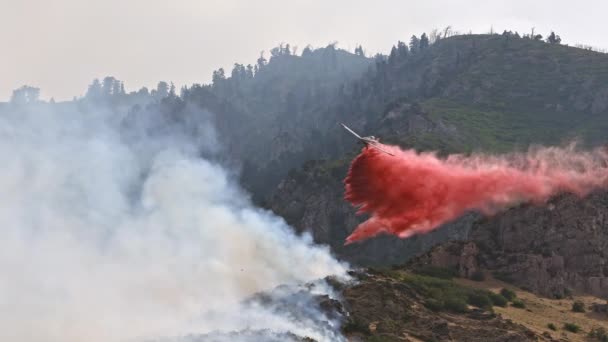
<point x="411" y="193"/>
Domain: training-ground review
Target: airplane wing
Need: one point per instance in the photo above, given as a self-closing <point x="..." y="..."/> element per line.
<point x="366" y="141"/>
<point x="350" y="130"/>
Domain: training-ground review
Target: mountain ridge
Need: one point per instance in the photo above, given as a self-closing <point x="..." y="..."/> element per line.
<point x="433" y="115"/>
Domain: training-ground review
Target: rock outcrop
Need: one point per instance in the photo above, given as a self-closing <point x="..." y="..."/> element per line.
<point x="550" y="250"/>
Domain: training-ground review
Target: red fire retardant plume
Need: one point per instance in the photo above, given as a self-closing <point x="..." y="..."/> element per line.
<point x="412" y="193"/>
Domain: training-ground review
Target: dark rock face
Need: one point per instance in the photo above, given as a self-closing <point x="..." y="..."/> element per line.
<point x="548" y="249"/>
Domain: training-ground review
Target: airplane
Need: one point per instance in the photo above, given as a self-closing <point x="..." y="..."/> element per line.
<point x="370" y="141"/>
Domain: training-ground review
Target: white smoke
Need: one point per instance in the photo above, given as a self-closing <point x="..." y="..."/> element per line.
<point x="114" y="238"/>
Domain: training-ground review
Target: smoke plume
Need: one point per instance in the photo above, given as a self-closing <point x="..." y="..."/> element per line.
<point x="412" y="193"/>
<point x="113" y="233"/>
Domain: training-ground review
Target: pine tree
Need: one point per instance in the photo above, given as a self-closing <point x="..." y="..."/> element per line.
<point x="307" y="51"/>
<point x="94" y="92"/>
<point x="414" y="44"/>
<point x="359" y="51"/>
<point x="162" y="90"/>
<point x="218" y="76"/>
<point x="261" y="61"/>
<point x="424" y="41"/>
<point x="25" y="94"/>
<point x="108" y="86"/>
<point x="554" y="39"/>
<point x="402" y="49"/>
<point x="392" y="58"/>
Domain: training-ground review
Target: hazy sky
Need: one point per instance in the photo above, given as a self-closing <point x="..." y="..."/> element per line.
<point x="61" y="45"/>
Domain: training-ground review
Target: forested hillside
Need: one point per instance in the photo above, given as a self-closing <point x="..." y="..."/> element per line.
<point x="277" y="119"/>
<point x="491" y="93"/>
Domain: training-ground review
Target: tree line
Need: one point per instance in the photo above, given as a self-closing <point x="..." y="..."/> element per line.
<point x="113" y="90"/>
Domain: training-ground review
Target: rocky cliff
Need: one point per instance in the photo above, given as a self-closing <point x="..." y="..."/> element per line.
<point x="551" y="250"/>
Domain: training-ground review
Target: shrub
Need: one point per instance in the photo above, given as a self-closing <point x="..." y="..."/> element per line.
<point x="506" y="277"/>
<point x="436" y="272"/>
<point x="599" y="334"/>
<point x="444" y="294"/>
<point x="578" y="306"/>
<point x="480" y="299"/>
<point x="456" y="304"/>
<point x="433" y="304"/>
<point x="478" y="276"/>
<point x="571" y="327"/>
<point x="498" y="299"/>
<point x="354" y="325"/>
<point x="518" y="303"/>
<point x="552" y="326"/>
<point x="510" y="295"/>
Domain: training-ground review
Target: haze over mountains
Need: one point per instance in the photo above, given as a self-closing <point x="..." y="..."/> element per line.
<point x="462" y="93"/>
<point x="272" y="126"/>
<point x="70" y="42"/>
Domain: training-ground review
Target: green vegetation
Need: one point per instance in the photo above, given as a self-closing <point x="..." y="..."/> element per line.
<point x="571" y="327"/>
<point x="434" y="304"/>
<point x="508" y="294"/>
<point x="436" y="272"/>
<point x="480" y="299"/>
<point x="493" y="114"/>
<point x="444" y="294"/>
<point x="599" y="334"/>
<point x="518" y="303"/>
<point x="552" y="326"/>
<point x="455" y="304"/>
<point x="578" y="306"/>
<point x="498" y="299"/>
<point x="353" y="325"/>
